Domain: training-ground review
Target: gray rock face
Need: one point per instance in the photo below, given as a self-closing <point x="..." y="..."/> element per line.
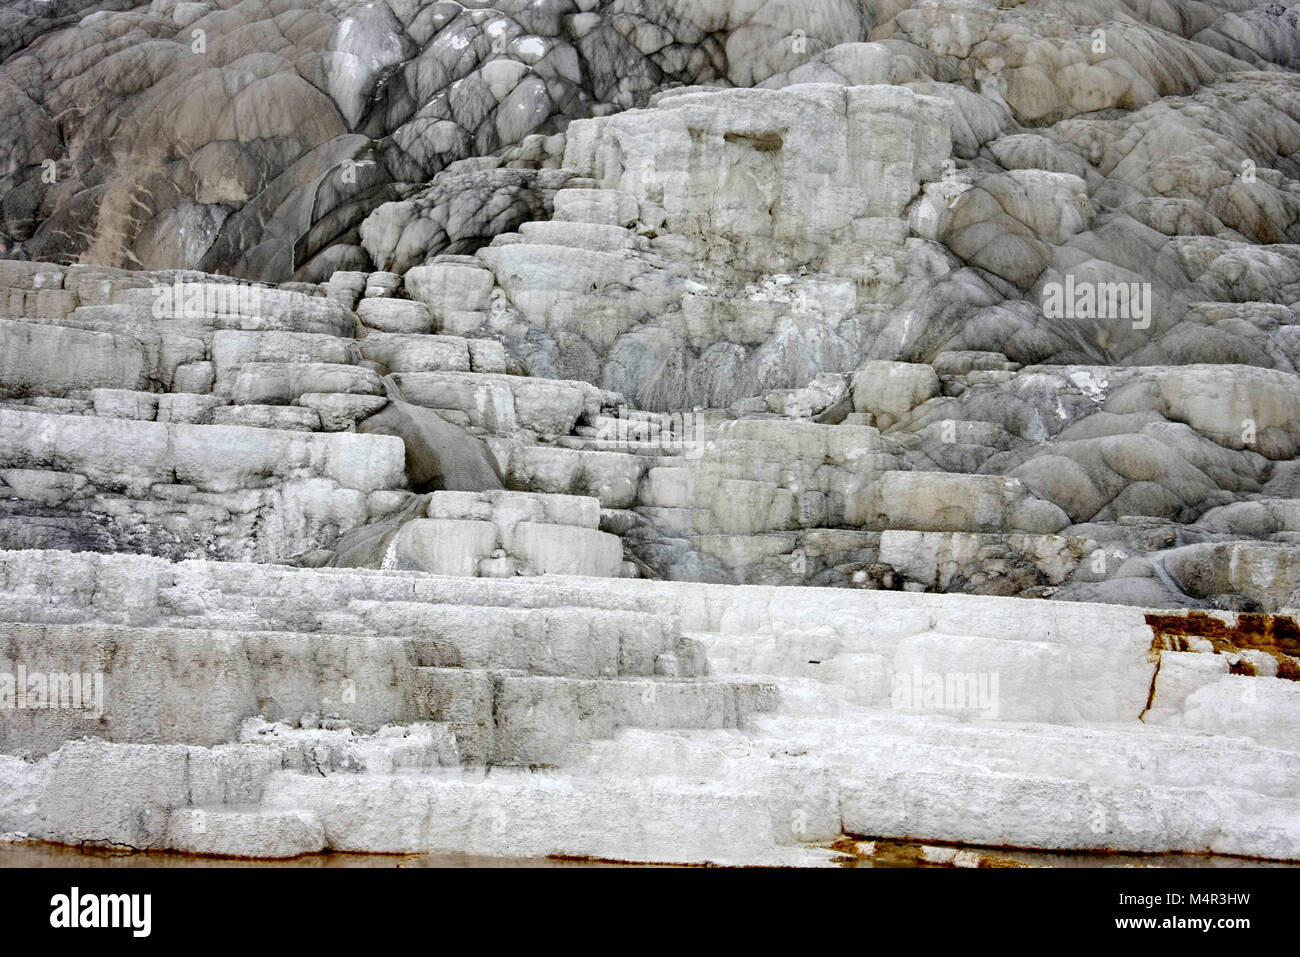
<point x="439" y="455"/>
<point x="1044" y="294"/>
<point x="334" y="109"/>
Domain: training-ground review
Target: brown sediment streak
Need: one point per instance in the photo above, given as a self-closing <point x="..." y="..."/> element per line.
<point x="1276" y="635"/>
<point x="1151" y="692"/>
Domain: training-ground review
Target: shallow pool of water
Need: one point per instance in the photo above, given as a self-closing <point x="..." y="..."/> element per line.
<point x="891" y="854"/>
<point x="901" y="854"/>
<point x="55" y="855"/>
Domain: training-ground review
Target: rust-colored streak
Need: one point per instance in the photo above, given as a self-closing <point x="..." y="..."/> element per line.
<point x="763" y="142"/>
<point x="1276" y="635"/>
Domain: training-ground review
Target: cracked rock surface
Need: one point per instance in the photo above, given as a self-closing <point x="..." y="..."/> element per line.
<point x="798" y="292"/>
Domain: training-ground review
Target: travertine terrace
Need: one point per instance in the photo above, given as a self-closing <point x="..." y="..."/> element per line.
<point x="652" y="431"/>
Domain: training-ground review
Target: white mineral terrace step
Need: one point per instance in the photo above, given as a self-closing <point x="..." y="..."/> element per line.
<point x="1112" y="787"/>
<point x="198" y="686"/>
<point x="214" y="490"/>
<point x="133" y="456"/>
<point x="50" y="585"/>
<point x="233" y="831"/>
<point x="433" y="353"/>
<point x="612" y="477"/>
<point x="233" y="801"/>
<point x="502" y="403"/>
<point x="125" y="349"/>
<point x="512" y="813"/>
<point x="124" y="346"/>
<point x="1094" y="741"/>
<point x="556" y="632"/>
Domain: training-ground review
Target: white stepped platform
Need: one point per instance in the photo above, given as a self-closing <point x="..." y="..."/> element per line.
<point x="513" y="814"/>
<point x="880" y="774"/>
<point x="783" y="733"/>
